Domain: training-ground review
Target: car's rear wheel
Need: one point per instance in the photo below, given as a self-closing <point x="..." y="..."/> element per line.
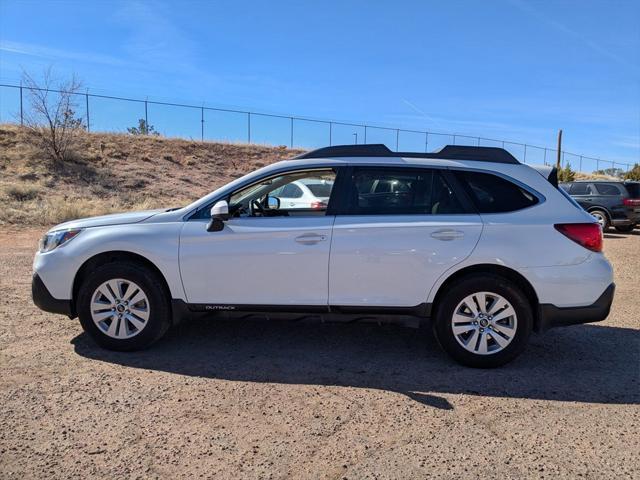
<point x="602" y="218"/>
<point x="625" y="228"/>
<point x="123" y="306"/>
<point x="483" y="321"/>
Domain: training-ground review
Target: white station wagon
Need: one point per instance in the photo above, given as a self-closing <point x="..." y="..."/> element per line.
<point x="485" y="247"/>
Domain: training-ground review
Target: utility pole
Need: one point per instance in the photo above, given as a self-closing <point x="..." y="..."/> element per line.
<point x="559" y="149"/>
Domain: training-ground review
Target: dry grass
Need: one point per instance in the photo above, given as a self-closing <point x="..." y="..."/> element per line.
<point x="116" y="172"/>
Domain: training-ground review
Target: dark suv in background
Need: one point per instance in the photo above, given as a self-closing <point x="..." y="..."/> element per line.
<point x="612" y="203"/>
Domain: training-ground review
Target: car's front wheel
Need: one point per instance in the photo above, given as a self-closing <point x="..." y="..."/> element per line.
<point x="123" y="306"/>
<point x="483" y="321"/>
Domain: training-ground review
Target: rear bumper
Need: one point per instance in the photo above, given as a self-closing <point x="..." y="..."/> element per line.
<point x="627" y="217"/>
<point x="45" y="301"/>
<point x="550" y="316"/>
<point x="625" y="221"/>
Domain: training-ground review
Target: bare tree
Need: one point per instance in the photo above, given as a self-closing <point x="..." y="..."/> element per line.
<point x="50" y="115"/>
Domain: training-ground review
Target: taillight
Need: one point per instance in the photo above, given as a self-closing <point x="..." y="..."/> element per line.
<point x="318" y="205"/>
<point x="631" y="202"/>
<point x="589" y="235"/>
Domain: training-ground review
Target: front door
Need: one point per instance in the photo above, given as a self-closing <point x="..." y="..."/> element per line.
<point x="262" y="256"/>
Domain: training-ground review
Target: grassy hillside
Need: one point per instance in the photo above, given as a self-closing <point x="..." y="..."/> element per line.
<point x="116" y="172"/>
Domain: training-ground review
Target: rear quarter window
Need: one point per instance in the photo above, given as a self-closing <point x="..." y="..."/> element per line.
<point x="493" y="194"/>
<point x="607" y="189"/>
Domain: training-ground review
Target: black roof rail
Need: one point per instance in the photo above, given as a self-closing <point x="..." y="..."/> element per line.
<point x="449" y="152"/>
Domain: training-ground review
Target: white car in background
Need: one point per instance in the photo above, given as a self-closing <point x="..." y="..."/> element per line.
<point x="304" y="193"/>
<point x="485" y="247"/>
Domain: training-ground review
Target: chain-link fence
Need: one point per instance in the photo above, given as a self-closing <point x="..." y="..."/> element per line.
<point x="108" y="113"/>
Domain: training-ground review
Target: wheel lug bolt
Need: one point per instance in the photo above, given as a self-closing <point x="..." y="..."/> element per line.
<point x="481" y="330"/>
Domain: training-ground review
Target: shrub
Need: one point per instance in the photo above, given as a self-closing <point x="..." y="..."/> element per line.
<point x="50" y="115"/>
<point x="21" y="193"/>
<point x="143" y="129"/>
<point x="566" y="174"/>
<point x="634" y="173"/>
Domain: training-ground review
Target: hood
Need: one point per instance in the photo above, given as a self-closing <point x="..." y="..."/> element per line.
<point x="104" y="220"/>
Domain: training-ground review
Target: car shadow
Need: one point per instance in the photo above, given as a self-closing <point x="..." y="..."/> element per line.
<point x="586" y="363"/>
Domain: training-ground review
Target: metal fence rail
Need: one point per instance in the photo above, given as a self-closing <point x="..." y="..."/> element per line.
<point x="360" y="132"/>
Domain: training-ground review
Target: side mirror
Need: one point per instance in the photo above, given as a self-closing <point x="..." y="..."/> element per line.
<point x="273" y="203"/>
<point x="219" y="213"/>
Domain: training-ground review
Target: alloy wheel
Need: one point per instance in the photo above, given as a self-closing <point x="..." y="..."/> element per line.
<point x="484" y="323"/>
<point x="600" y="218"/>
<point x="120" y="308"/>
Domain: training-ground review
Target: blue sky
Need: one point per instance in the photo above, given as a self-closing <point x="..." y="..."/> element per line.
<point x="507" y="69"/>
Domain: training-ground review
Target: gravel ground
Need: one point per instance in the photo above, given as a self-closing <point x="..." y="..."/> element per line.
<point x="255" y="399"/>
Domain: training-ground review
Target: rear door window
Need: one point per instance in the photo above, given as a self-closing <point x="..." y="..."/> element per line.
<point x="494" y="194"/>
<point x="401" y="191"/>
<point x="607" y="189"/>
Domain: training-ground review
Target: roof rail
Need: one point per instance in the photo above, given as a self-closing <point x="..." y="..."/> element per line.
<point x="449" y="152"/>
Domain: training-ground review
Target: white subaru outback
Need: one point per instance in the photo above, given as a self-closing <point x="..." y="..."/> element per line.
<point x="487" y="248"/>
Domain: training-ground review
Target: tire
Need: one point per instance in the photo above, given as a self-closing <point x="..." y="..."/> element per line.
<point x="625" y="228"/>
<point x="511" y="332"/>
<point x="141" y="323"/>
<point x="602" y="217"/>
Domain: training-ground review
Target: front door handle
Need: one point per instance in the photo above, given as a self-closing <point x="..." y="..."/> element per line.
<point x="310" y="238"/>
<point x="447" y="235"/>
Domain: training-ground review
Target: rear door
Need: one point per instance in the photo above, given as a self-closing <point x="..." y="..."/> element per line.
<point x="400" y="229"/>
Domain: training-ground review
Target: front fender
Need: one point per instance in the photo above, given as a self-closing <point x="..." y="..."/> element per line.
<point x="158" y="243"/>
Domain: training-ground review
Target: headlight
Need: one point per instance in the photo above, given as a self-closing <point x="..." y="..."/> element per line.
<point x="54" y="239"/>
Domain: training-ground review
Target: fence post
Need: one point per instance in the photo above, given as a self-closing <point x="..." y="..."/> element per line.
<point x="580" y="163"/>
<point x="86" y="98"/>
<point x="248" y="127"/>
<point x="525" y="153"/>
<point x="330" y="132"/>
<point x="291" y="132"/>
<point x="478" y="141"/>
<point x="146" y="116"/>
<point x="426" y="142"/>
<point x="397" y="139"/>
<point x="365" y="134"/>
<point x="454" y="139"/>
<point x="202" y="124"/>
<point x="21" y="111"/>
<point x="502" y="142"/>
<point x="545" y="156"/>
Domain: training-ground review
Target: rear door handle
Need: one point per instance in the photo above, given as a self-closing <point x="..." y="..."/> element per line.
<point x="310" y="238"/>
<point x="447" y="235"/>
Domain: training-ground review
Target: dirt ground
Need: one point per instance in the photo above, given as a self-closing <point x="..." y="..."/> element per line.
<point x="251" y="399"/>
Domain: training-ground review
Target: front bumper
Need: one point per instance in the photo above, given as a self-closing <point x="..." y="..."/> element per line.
<point x="45" y="301"/>
<point x="550" y="316"/>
